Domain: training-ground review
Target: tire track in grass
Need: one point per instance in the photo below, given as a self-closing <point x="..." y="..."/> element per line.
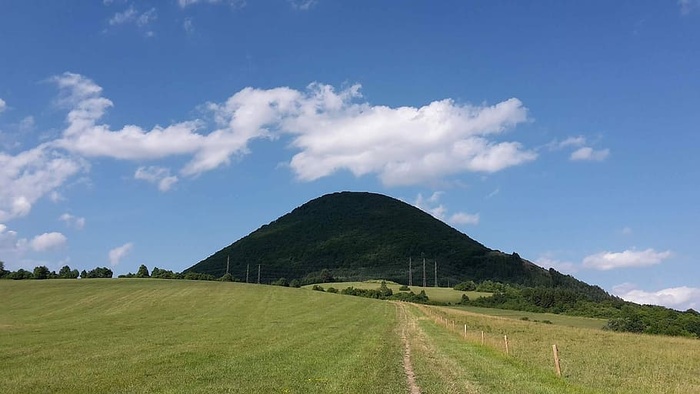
<point x="407" y="366"/>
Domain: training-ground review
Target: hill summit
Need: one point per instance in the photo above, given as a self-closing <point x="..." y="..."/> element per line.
<point x="359" y="235"/>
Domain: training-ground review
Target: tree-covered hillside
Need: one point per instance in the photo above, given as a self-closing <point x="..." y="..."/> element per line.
<point x="365" y="235"/>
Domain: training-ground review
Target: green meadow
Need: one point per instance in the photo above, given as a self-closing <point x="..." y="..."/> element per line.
<point x="440" y="294"/>
<point x="176" y="336"/>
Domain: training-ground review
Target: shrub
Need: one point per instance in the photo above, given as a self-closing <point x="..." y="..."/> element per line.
<point x="332" y="290"/>
<point x="317" y="288"/>
<point x="465" y="286"/>
<point x="295" y="283"/>
<point x="404" y="288"/>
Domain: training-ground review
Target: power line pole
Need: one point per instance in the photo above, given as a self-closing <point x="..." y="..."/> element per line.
<point x="436" y="284"/>
<point x="247" y="270"/>
<point x="410" y="272"/>
<point x="228" y="258"/>
<point x="258" y="273"/>
<point x="425" y="284"/>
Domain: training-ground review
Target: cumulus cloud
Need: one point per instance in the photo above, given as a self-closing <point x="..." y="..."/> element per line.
<point x="577" y="141"/>
<point x="29" y="175"/>
<point x="48" y="241"/>
<point x="3" y="105"/>
<point x="332" y="130"/>
<point x="681" y="298"/>
<point x="156" y="175"/>
<point x="629" y="258"/>
<point x="587" y="153"/>
<point x="117" y="254"/>
<point x="433" y="206"/>
<point x="72" y="221"/>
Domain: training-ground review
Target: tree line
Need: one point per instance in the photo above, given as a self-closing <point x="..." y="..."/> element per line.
<point x="622" y="315"/>
<point x="43" y="272"/>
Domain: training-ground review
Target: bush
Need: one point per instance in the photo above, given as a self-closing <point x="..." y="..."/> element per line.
<point x="226" y="278"/>
<point x="332" y="290"/>
<point x="465" y="286"/>
<point x="317" y="288"/>
<point x="280" y="282"/>
<point x="404" y="288"/>
<point x="295" y="283"/>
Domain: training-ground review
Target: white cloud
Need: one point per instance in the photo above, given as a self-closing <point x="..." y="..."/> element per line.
<point x="303" y="5"/>
<point x="131" y="15"/>
<point x="72" y="221"/>
<point x="493" y="193"/>
<point x="3" y="105"/>
<point x="188" y="25"/>
<point x="567" y="143"/>
<point x="432" y="206"/>
<point x="629" y="258"/>
<point x="589" y="154"/>
<point x="26" y="124"/>
<point x="565" y="267"/>
<point x="687" y="6"/>
<point x="464" y="218"/>
<point x="48" y="241"/>
<point x="157" y="175"/>
<point x="232" y="3"/>
<point x="681" y="298"/>
<point x="29" y="175"/>
<point x="402" y="146"/>
<point x="118" y="253"/>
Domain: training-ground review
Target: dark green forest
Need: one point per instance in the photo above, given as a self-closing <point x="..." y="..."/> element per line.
<point x="362" y="236"/>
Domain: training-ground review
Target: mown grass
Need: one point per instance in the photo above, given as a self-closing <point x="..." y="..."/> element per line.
<point x="599" y="360"/>
<point x="564" y="320"/>
<point x="139" y="335"/>
<point x="444" y="363"/>
<point x="440" y="294"/>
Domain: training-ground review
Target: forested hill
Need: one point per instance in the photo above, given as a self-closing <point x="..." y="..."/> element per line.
<point x="365" y="235"/>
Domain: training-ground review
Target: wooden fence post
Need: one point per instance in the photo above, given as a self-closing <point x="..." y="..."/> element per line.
<point x="465" y="331"/>
<point x="505" y="338"/>
<point x="482" y="337"/>
<point x="556" y="359"/>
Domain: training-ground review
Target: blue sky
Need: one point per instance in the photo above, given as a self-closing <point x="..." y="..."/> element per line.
<point x="136" y="132"/>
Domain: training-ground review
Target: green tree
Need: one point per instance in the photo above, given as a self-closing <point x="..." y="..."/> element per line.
<point x="41" y="272"/>
<point x="142" y="272"/>
<point x="65" y="272"/>
<point x="3" y="273"/>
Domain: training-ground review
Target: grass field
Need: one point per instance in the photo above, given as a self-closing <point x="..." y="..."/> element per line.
<point x="140" y="335"/>
<point x="121" y="336"/>
<point x="441" y="294"/>
<point x="563" y="320"/>
<point x="599" y="360"/>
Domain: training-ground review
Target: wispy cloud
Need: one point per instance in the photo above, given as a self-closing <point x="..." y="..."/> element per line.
<point x="433" y="206"/>
<point x="117" y="254"/>
<point x="3" y="105"/>
<point x="157" y="175"/>
<point x="232" y="3"/>
<point x="583" y="151"/>
<point x="72" y="221"/>
<point x="688" y="6"/>
<point x="303" y="5"/>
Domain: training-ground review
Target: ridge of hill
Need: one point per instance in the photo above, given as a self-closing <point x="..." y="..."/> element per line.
<point x="361" y="235"/>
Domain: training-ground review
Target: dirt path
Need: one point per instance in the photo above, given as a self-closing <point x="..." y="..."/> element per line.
<point x="407" y="366"/>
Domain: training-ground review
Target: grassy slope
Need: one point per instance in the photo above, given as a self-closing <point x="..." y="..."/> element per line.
<point x="600" y="360"/>
<point x="563" y="320"/>
<point x="180" y="336"/>
<point x="442" y="294"/>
